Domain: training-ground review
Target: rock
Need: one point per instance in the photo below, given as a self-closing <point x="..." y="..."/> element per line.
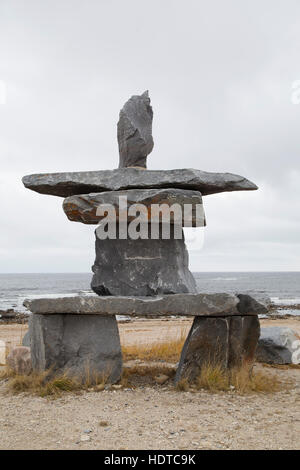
<point x="85" y="438"/>
<point x="250" y="304"/>
<point x="141" y="267"/>
<point x="8" y="314"/>
<point x="228" y="341"/>
<point x="278" y="345"/>
<point x="261" y="297"/>
<point x="83" y="208"/>
<point x="85" y="182"/>
<point x="221" y="304"/>
<point x="161" y="379"/>
<point x="83" y="346"/>
<point x="26" y="340"/>
<point x="135" y="131"/>
<point x="19" y="360"/>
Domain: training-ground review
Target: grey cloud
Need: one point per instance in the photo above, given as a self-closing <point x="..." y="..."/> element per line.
<point x="219" y="75"/>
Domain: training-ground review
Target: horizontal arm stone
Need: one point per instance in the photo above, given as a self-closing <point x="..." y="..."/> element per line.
<point x="165" y="305"/>
<point x="69" y="184"/>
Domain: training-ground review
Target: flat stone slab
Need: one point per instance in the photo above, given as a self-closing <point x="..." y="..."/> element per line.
<point x="229" y="342"/>
<point x="85" y="347"/>
<point x="83" y="207"/>
<point x="85" y="182"/>
<point x="165" y="305"/>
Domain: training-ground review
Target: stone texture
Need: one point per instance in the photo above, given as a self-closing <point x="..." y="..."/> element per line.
<point x="229" y="341"/>
<point x="26" y="340"/>
<point x="261" y="297"/>
<point x="251" y="304"/>
<point x="135" y="131"/>
<point x="141" y="267"/>
<point x="85" y="182"/>
<point x="177" y="304"/>
<point x="83" y="208"/>
<point x="278" y="345"/>
<point x="19" y="360"/>
<point x="79" y="345"/>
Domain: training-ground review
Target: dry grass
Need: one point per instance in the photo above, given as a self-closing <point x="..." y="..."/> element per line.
<point x="46" y="384"/>
<point x="133" y="376"/>
<point x="214" y="378"/>
<point x="166" y="349"/>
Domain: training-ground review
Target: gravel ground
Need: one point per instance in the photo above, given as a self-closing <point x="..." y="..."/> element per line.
<point x="151" y="416"/>
<point x="154" y="417"/>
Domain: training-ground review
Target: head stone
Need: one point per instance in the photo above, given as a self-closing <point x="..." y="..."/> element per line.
<point x="135" y="131"/>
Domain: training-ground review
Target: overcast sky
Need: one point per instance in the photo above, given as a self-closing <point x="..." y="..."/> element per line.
<point x="220" y="77"/>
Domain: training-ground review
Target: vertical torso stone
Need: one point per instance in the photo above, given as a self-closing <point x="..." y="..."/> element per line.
<point x="142" y="267"/>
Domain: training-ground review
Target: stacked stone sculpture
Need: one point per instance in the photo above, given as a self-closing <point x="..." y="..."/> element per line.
<point x="143" y="276"/>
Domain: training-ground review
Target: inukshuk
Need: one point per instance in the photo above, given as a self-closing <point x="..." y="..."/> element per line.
<point x="139" y="276"/>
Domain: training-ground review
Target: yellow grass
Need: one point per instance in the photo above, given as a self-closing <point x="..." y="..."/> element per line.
<point x="165" y="349"/>
<point x="46" y="384"/>
<point x="214" y="378"/>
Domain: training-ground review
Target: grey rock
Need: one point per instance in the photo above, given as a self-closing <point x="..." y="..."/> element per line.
<point x="135" y="131"/>
<point x="7" y="314"/>
<point x="221" y="304"/>
<point x="80" y="345"/>
<point x="227" y="341"/>
<point x="83" y="208"/>
<point x="19" y="360"/>
<point x="85" y="182"/>
<point x="254" y="305"/>
<point x="278" y="345"/>
<point x="141" y="267"/>
<point x="263" y="298"/>
<point x="26" y="340"/>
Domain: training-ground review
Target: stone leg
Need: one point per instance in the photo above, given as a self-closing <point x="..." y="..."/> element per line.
<point x="142" y="267"/>
<point x="229" y="341"/>
<point x="80" y="345"/>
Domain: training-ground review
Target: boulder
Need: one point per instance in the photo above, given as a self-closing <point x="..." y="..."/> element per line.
<point x="141" y="267"/>
<point x="135" y="131"/>
<point x="83" y="346"/>
<point x="214" y="305"/>
<point x="226" y="341"/>
<point x="85" y="182"/>
<point x="278" y="345"/>
<point x="83" y="208"/>
<point x="19" y="360"/>
<point x="8" y="314"/>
